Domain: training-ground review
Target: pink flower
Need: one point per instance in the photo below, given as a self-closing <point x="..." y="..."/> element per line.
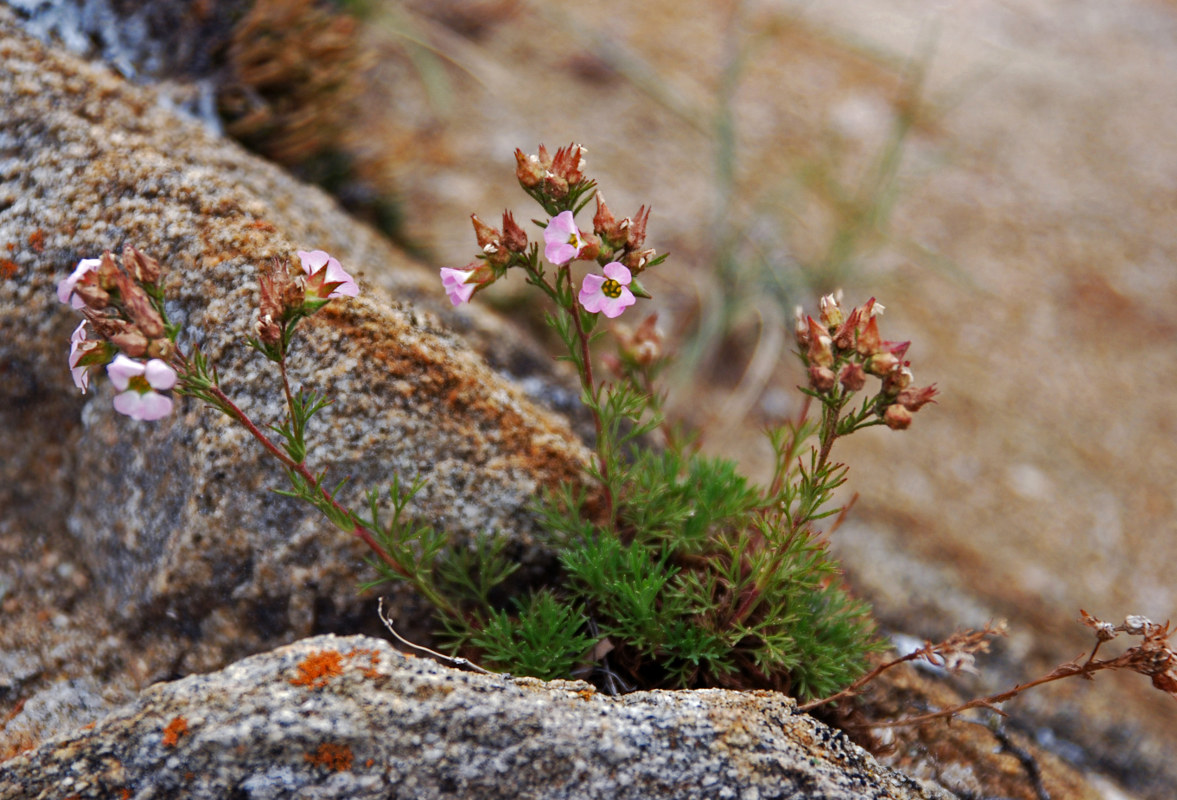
<point x="78" y="347"/>
<point x="139" y="385"/>
<point x="326" y="277"/>
<point x="607" y="293"/>
<point x="459" y="284"/>
<point x="65" y="289"/>
<point x="562" y="239"/>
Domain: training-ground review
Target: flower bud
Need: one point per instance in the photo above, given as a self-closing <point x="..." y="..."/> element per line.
<point x="592" y="248"/>
<point x="881" y="364"/>
<point x="568" y="164"/>
<point x="606" y="225"/>
<point x="555" y="186"/>
<point x="819" y="351"/>
<point x="485" y="234"/>
<point x="637" y="260"/>
<point x="92" y="295"/>
<point x="869" y="342"/>
<point x="831" y="312"/>
<point x="637" y="228"/>
<point x="514" y="237"/>
<point x="143" y="268"/>
<point x="108" y="272"/>
<point x="914" y="399"/>
<point x="897" y="417"/>
<point x="139" y="308"/>
<point x="800" y="328"/>
<point x="896" y="380"/>
<point x="131" y="341"/>
<point x="852" y="377"/>
<point x="528" y="170"/>
<point x="821" y="378"/>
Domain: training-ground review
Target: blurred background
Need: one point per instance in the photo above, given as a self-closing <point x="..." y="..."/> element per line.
<point x="1001" y="174"/>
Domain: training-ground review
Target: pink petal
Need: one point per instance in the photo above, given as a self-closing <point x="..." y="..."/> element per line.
<point x="312" y="260"/>
<point x="159" y="375"/>
<point x="147" y="407"/>
<point x="121" y="370"/>
<point x="618" y="272"/>
<point x="613" y="306"/>
<point x="65" y="288"/>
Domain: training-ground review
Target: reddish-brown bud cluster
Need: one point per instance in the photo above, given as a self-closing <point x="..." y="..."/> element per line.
<point x="120" y="309"/>
<point x="499" y="248"/>
<point x="553" y="175"/>
<point x="842" y="349"/>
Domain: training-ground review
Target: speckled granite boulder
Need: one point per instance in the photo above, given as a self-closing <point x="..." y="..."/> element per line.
<point x="138" y="551"/>
<point x="177" y="514"/>
<point x="352" y="718"/>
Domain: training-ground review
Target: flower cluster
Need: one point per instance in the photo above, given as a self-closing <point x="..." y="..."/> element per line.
<point x="841" y="349"/>
<point x="558" y="183"/>
<point x="126" y="329"/>
<point x="124" y="307"/>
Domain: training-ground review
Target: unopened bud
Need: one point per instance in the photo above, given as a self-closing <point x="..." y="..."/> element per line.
<point x="897" y="417"/>
<point x="881" y="364"/>
<point x="268" y="331"/>
<point x="852" y="377"/>
<point x="486" y="234"/>
<point x="896" y="380"/>
<point x="92" y="295"/>
<point x="914" y="399"/>
<point x="108" y="273"/>
<point x="143" y="268"/>
<point x="528" y="170"/>
<point x="822" y="378"/>
<point x="800" y="328"/>
<point x="163" y="349"/>
<point x="869" y="342"/>
<point x="555" y="186"/>
<point x="636" y="261"/>
<point x="139" y="308"/>
<point x="637" y="229"/>
<point x="514" y="237"/>
<point x="131" y="341"/>
<point x="819" y="351"/>
<point x="606" y="226"/>
<point x="831" y="312"/>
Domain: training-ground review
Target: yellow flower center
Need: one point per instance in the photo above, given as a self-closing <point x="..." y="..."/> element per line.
<point x="611" y="288"/>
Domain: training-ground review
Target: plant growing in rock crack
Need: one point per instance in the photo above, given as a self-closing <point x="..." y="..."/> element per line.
<point x="673" y="568"/>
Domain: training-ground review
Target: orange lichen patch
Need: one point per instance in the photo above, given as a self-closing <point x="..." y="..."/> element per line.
<point x="373" y="659"/>
<point x="8" y="267"/>
<point x="369" y="762"/>
<point x="332" y="756"/>
<point x="316" y="669"/>
<point x="262" y="225"/>
<point x="174" y="730"/>
<point x="125" y="793"/>
<point x="37" y="240"/>
<point x="11" y="246"/>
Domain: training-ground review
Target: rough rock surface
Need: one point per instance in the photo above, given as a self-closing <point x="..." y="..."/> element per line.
<point x="352" y="718"/>
<point x="114" y="528"/>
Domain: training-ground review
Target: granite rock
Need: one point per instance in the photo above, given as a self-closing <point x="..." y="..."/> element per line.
<point x="350" y="717"/>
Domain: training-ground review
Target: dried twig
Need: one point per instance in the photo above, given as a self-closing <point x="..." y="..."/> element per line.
<point x="453" y="661"/>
